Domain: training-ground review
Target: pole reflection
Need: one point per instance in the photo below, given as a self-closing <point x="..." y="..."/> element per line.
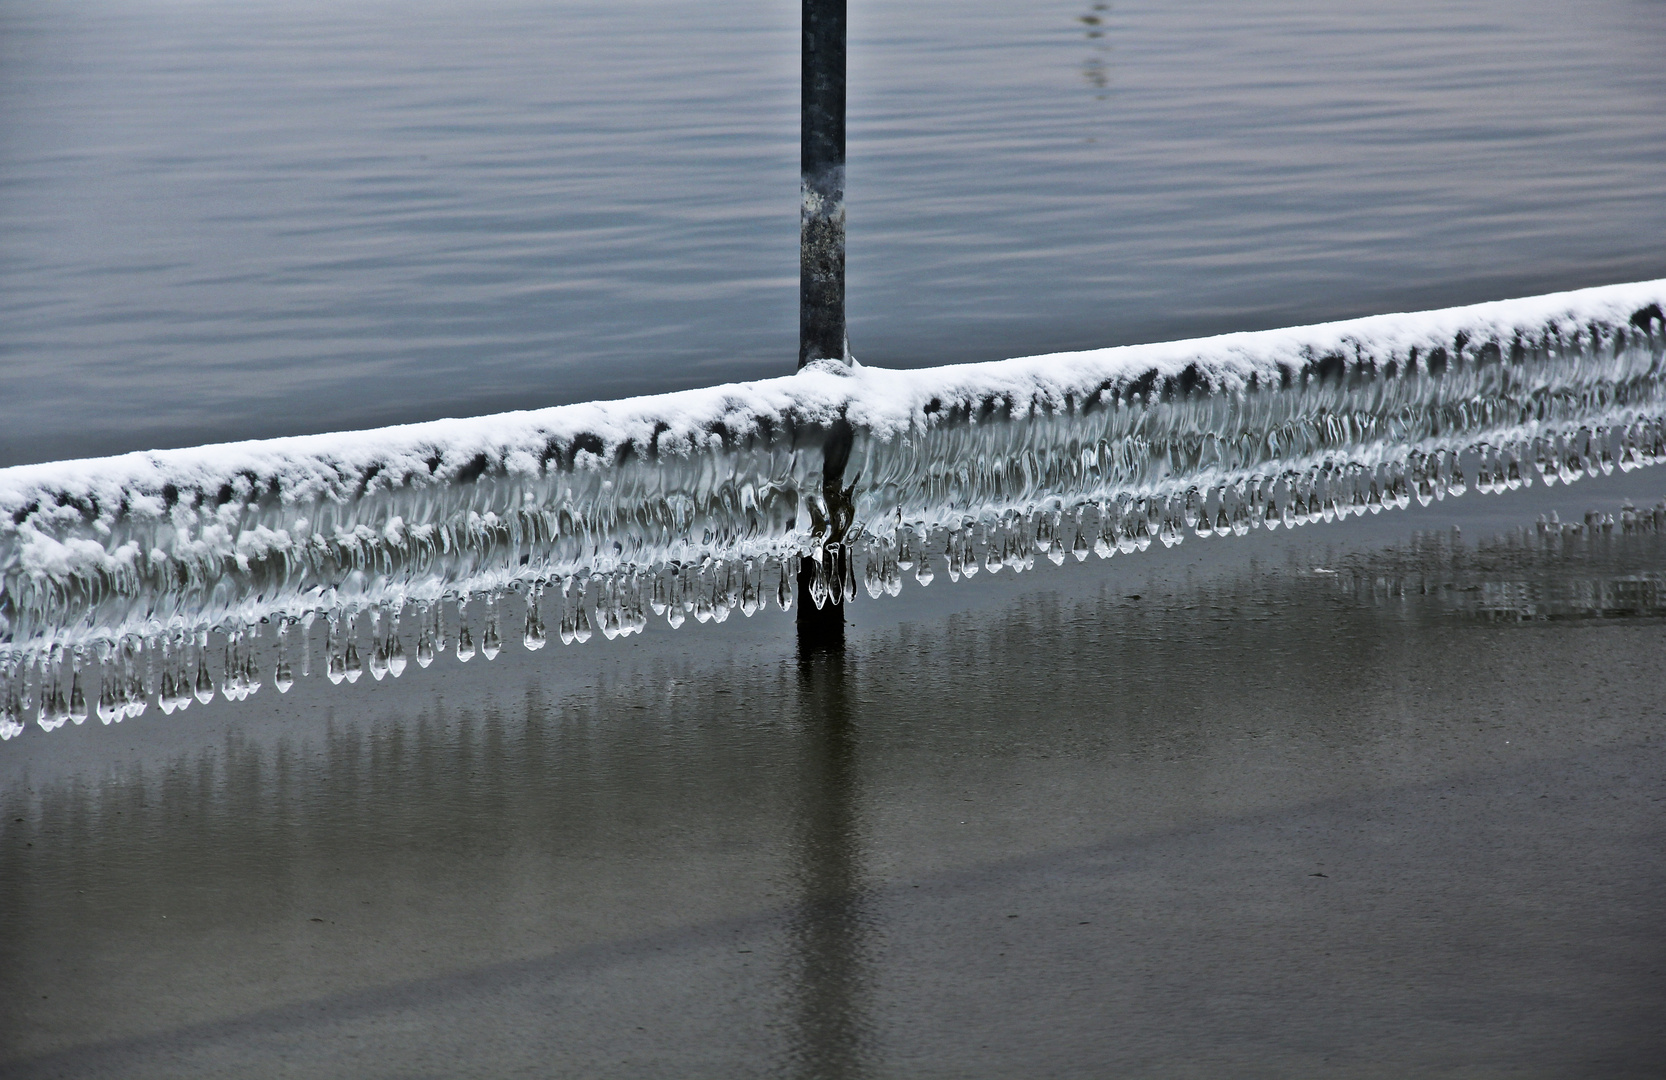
<point x="1096" y="68"/>
<point x="830" y="1024"/>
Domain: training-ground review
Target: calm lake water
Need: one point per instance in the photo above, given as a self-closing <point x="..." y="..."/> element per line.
<point x="1376" y="799"/>
<point x="231" y="220"/>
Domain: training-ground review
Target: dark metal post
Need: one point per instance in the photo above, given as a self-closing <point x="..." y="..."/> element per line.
<point x="821" y="244"/>
<point x="821" y="280"/>
<point x="831" y="1028"/>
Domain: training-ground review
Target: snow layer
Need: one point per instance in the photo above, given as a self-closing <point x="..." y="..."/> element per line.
<point x="97" y="548"/>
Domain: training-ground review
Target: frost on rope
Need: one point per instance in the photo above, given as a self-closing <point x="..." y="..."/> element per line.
<point x="171" y="576"/>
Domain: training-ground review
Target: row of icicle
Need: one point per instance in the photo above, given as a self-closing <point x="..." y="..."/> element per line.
<point x="172" y="666"/>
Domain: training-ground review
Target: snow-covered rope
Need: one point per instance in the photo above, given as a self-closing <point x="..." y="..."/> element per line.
<point x="156" y="567"/>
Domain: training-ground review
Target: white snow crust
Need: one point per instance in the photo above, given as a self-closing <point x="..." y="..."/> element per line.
<point x="106" y="546"/>
<point x="884" y="402"/>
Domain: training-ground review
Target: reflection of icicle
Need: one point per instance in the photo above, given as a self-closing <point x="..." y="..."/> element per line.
<point x="1600" y="567"/>
<point x="150" y="577"/>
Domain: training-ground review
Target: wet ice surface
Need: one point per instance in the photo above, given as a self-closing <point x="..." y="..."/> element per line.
<point x="1367" y="799"/>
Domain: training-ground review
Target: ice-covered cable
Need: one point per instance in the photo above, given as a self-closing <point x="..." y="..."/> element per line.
<point x="158" y="569"/>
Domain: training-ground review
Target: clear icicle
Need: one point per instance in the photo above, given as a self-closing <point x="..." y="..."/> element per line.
<point x="283" y="675"/>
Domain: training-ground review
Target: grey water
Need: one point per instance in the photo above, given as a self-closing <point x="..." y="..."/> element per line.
<point x="243" y="220"/>
<point x="1374" y="799"/>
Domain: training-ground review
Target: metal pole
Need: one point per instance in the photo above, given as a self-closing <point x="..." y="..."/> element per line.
<point x="821" y="238"/>
<point x="821" y="286"/>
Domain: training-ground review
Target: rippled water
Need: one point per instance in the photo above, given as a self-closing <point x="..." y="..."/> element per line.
<point x="220" y="221"/>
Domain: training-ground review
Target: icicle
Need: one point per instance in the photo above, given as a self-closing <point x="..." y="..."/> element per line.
<point x="968" y="555"/>
<point x="307" y="619"/>
<point x="251" y="666"/>
<point x="1104" y="538"/>
<point x="788" y="590"/>
<point x="426" y="633"/>
<point x="11" y="720"/>
<point x="1630" y="458"/>
<point x="108" y="706"/>
<point x="1197" y="513"/>
<point x="77" y="696"/>
<point x="581" y="622"/>
<point x="638" y="610"/>
<point x="565" y="622"/>
<point x="137" y="699"/>
<point x="396" y="643"/>
<point x="351" y="665"/>
<point x="490" y="643"/>
<point x="1243" y="518"/>
<point x="535" y="638"/>
<point x="1171" y="523"/>
<point x="1544" y="460"/>
<point x="873" y="574"/>
<point x="675" y="612"/>
<point x="183" y="695"/>
<point x="283" y="677"/>
<point x="337" y="659"/>
<point x="1423" y="484"/>
<point x="231" y="670"/>
<point x="465" y="638"/>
